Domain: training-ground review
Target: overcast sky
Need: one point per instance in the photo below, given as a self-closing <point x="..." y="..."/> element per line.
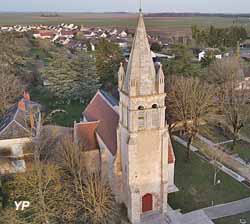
<point x="228" y="6"/>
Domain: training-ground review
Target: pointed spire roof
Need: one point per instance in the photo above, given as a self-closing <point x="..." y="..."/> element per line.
<point x="141" y="73"/>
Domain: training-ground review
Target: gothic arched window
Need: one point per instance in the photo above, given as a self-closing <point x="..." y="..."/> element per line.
<point x="154" y="106"/>
<point x="155" y="116"/>
<point x="141" y="117"/>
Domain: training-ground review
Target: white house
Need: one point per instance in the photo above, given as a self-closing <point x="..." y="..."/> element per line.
<point x="123" y="34"/>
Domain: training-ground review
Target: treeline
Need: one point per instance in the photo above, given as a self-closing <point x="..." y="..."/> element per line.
<point x="219" y="37"/>
<point x="49" y="15"/>
<point x="188" y="14"/>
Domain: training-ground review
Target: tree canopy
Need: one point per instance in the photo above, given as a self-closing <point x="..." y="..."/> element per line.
<point x="108" y="59"/>
<point x="219" y="37"/>
<point x="71" y="77"/>
<point x="182" y="64"/>
<point x="10" y="89"/>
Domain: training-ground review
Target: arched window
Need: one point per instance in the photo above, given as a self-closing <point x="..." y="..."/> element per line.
<point x="141" y="117"/>
<point x="155" y="116"/>
<point x="154" y="106"/>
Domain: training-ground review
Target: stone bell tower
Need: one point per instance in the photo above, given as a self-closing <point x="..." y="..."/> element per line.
<point x="143" y="137"/>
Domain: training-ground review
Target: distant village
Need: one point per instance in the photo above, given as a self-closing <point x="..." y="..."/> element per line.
<point x="86" y="38"/>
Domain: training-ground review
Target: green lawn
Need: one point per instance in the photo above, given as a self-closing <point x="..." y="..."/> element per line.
<point x="214" y="133"/>
<point x="72" y="111"/>
<point x="195" y="181"/>
<point x="242" y="148"/>
<point x="233" y="219"/>
<point x="245" y="131"/>
<point x="217" y="134"/>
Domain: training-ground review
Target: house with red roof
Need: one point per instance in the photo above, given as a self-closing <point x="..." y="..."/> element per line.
<point x="44" y="34"/>
<point x="86" y="138"/>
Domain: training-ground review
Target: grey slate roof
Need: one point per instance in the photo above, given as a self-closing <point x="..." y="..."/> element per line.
<point x="112" y="100"/>
<point x="16" y="123"/>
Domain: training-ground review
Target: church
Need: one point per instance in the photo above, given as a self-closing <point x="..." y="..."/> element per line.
<point x="131" y="134"/>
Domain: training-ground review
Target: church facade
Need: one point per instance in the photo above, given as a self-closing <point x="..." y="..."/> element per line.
<point x="135" y="147"/>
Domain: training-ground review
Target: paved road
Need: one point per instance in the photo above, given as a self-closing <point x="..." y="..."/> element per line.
<point x="228" y="209"/>
<point x="175" y="217"/>
<point x="196" y="217"/>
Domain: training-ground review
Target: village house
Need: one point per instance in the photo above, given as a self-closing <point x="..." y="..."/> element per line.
<point x="123" y="34"/>
<point x="216" y="52"/>
<point x="20" y="124"/>
<point x="44" y="34"/>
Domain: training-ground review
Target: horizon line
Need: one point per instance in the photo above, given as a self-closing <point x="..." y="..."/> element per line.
<point x="128" y="12"/>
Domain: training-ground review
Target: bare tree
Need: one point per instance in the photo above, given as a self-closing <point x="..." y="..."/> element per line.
<point x="42" y="187"/>
<point x="93" y="197"/>
<point x="222" y="72"/>
<point x="59" y="188"/>
<point x="190" y="101"/>
<point x="236" y="110"/>
<point x="10" y="88"/>
<point x="10" y="214"/>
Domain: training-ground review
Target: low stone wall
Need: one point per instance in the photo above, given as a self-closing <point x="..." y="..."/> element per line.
<point x="10" y="143"/>
<point x="11" y="163"/>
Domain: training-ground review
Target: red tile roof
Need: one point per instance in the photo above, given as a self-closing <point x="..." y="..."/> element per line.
<point x="46" y="33"/>
<point x="67" y="33"/>
<point x="85" y="134"/>
<point x="171" y="156"/>
<point x="100" y="110"/>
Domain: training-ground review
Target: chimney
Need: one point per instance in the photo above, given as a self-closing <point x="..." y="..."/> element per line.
<point x="21" y="105"/>
<point x="32" y="122"/>
<point x="26" y="95"/>
<point x="75" y="132"/>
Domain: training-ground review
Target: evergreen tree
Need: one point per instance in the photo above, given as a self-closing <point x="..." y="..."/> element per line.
<point x="182" y="64"/>
<point x="71" y="77"/>
<point x="108" y="59"/>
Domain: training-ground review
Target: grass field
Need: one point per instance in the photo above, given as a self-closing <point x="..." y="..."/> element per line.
<point x="72" y="111"/>
<point x="214" y="133"/>
<point x="119" y="20"/>
<point x="217" y="135"/>
<point x="195" y="181"/>
<point x="234" y="219"/>
<point x="242" y="148"/>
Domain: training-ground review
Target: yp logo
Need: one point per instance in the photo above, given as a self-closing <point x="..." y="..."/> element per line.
<point x="22" y="205"/>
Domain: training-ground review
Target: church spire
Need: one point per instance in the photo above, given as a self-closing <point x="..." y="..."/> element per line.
<point x="141" y="75"/>
<point x="140" y="9"/>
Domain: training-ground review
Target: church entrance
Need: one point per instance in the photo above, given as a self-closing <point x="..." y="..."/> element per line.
<point x="147" y="203"/>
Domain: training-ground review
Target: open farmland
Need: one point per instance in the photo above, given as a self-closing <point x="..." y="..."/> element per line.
<point x="127" y="20"/>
